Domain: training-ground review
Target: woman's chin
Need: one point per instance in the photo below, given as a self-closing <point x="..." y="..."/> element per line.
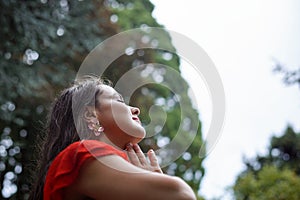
<point x="137" y="140"/>
<point x="136" y="135"/>
<point x="139" y="134"/>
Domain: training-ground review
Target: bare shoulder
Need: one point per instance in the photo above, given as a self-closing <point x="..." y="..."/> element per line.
<point x="112" y="177"/>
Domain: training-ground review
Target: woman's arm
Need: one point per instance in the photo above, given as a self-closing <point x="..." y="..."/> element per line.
<point x="111" y="177"/>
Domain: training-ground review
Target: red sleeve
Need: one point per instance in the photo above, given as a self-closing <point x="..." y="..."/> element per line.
<point x="64" y="170"/>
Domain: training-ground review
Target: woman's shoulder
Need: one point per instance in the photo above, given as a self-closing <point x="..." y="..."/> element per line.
<point x="85" y="149"/>
<point x="66" y="166"/>
<point x="77" y="153"/>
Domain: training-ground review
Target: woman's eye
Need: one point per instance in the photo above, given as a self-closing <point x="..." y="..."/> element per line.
<point x="121" y="101"/>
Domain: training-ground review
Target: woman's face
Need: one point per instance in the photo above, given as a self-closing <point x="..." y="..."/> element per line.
<point x="120" y="121"/>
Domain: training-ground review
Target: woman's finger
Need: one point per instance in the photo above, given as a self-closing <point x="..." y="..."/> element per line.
<point x="153" y="161"/>
<point x="140" y="154"/>
<point x="132" y="155"/>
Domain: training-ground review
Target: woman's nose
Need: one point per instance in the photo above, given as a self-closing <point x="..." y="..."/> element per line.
<point x="135" y="111"/>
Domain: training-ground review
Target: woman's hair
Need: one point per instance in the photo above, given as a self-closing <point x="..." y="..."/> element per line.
<point x="66" y="124"/>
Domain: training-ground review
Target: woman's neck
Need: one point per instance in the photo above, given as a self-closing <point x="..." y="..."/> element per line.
<point x="104" y="138"/>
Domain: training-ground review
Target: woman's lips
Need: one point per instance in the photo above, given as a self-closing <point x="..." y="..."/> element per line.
<point x="136" y="119"/>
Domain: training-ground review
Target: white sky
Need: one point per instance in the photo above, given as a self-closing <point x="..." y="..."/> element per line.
<point x="242" y="38"/>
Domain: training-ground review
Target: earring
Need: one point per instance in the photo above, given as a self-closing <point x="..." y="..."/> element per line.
<point x="95" y="127"/>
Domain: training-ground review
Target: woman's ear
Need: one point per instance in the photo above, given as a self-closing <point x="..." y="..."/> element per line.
<point x="90" y="114"/>
<point x="92" y="121"/>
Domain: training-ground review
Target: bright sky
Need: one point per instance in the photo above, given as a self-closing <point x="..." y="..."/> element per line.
<point x="242" y="38"/>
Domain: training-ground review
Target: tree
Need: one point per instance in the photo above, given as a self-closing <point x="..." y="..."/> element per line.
<point x="42" y="46"/>
<point x="290" y="77"/>
<point x="269" y="183"/>
<point x="283" y="152"/>
<point x="275" y="175"/>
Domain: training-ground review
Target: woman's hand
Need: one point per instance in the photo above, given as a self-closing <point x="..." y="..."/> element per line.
<point x="137" y="158"/>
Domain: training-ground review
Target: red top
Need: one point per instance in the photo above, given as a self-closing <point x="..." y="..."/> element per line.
<point x="64" y="169"/>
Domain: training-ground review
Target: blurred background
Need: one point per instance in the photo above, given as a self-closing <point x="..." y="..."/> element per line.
<point x="254" y="45"/>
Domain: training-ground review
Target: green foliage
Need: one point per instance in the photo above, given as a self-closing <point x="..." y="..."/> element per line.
<point x="269" y="183"/>
<point x="127" y="12"/>
<point x="284" y="152"/>
<point x="42" y="46"/>
<point x="275" y="175"/>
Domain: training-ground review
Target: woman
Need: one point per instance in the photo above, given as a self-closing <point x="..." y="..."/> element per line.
<point x="91" y="151"/>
